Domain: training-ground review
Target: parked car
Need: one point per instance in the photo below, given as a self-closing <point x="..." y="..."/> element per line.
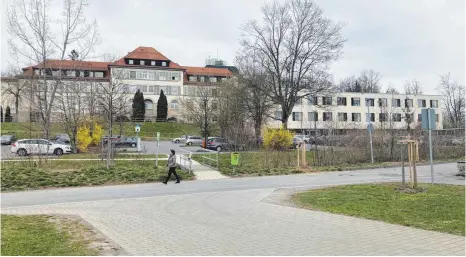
<point x="305" y="138"/>
<point x="221" y="144"/>
<point x="181" y="139"/>
<point x="111" y="139"/>
<point x="193" y="140"/>
<point x="127" y="142"/>
<point x="296" y="142"/>
<point x="62" y="139"/>
<point x="24" y="147"/>
<point x="7" y="139"/>
<point x="203" y="144"/>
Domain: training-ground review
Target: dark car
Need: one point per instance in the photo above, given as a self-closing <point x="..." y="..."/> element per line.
<point x="8" y="139"/>
<point x="112" y="139"/>
<point x="127" y="142"/>
<point x="221" y="144"/>
<point x="62" y="139"/>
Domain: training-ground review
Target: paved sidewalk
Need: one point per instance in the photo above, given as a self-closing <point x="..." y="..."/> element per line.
<point x="202" y="172"/>
<point x="239" y="223"/>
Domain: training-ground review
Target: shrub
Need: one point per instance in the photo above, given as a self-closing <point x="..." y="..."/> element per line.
<point x="277" y="139"/>
<point x="84" y="138"/>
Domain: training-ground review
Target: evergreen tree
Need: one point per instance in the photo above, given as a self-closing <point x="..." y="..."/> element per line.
<point x="8" y="117"/>
<point x="139" y="108"/>
<point x="1" y="114"/>
<point x="162" y="107"/>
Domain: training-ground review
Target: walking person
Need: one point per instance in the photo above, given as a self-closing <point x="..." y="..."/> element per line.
<point x="171" y="164"/>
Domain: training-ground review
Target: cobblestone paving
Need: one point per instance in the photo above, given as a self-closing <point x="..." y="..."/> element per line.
<point x="241" y="223"/>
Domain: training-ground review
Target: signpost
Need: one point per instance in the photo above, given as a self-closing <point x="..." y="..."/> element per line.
<point x="370" y="128"/>
<point x="157" y="151"/>
<point x="137" y="128"/>
<point x="428" y="122"/>
<point x="234" y="160"/>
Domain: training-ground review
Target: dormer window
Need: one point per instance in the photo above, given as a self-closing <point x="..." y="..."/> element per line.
<point x="130" y="62"/>
<point x="164" y="64"/>
<point x="141" y="62"/>
<point x="152" y="63"/>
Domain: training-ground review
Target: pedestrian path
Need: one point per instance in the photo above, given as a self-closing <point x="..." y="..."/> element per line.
<point x="200" y="171"/>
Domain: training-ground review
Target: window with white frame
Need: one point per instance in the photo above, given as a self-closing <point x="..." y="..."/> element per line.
<point x="370" y="117"/>
<point x="149" y="104"/>
<point x="421" y="103"/>
<point x="99" y="74"/>
<point x="213" y="79"/>
<point x="142" y="62"/>
<point x="152" y="63"/>
<point x="342" y="116"/>
<point x="174" y="90"/>
<point x="297" y="116"/>
<point x="130" y="62"/>
<point x="312" y="100"/>
<point x="313" y="116"/>
<point x="356" y="117"/>
<point x="433" y="103"/>
<point x="369" y="101"/>
<point x="396" y="117"/>
<point x="150" y="75"/>
<point x="327" y="100"/>
<point x="341" y="101"/>
<point x="355" y="101"/>
<point x="174" y="104"/>
<point x="327" y="116"/>
<point x="164" y="64"/>
<point x="193" y="78"/>
<point x="382" y="117"/>
<point x="132" y="74"/>
<point x="383" y="102"/>
<point x="175" y="76"/>
<point x="396" y="103"/>
<point x="408" y="103"/>
<point x="151" y="89"/>
<point x="163" y="75"/>
<point x="278" y="115"/>
<point x="202" y="78"/>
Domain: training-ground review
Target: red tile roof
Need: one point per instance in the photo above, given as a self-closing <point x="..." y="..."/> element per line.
<point x="146" y="53"/>
<point x="70" y="64"/>
<point x="221" y="72"/>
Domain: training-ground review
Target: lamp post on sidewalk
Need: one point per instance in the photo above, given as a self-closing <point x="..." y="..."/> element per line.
<point x="369" y="128"/>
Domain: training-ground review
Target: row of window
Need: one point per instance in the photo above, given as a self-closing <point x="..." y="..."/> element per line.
<point x="343" y="116"/>
<point x="150" y="105"/>
<point x="381" y="102"/>
<point x="70" y="73"/>
<point x="152" y="89"/>
<point x="147" y="62"/>
<point x="149" y="75"/>
<point x="194" y="78"/>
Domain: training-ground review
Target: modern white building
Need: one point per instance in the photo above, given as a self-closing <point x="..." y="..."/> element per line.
<point x="349" y="110"/>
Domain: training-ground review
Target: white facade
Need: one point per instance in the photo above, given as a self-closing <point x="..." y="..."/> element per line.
<point x="349" y="111"/>
<point x="150" y="81"/>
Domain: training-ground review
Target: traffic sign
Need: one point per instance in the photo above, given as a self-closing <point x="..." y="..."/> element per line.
<point x="428" y="118"/>
<point x="370" y="127"/>
<point x="137" y="128"/>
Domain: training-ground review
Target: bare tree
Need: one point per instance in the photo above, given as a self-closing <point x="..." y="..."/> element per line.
<point x="251" y="79"/>
<point x="369" y="81"/>
<point x="413" y="87"/>
<point x="202" y="109"/>
<point x="454" y="102"/>
<point x="294" y="45"/>
<point x="13" y="87"/>
<point x="349" y="84"/>
<point x="112" y="100"/>
<point x="36" y="37"/>
<point x="391" y="90"/>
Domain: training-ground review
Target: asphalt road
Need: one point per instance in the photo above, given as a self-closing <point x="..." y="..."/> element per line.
<point x="444" y="173"/>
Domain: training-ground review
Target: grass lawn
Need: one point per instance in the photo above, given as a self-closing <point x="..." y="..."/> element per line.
<point x="438" y="207"/>
<point x="168" y="130"/>
<point x="37" y="235"/>
<point x="281" y="163"/>
<point x="29" y="175"/>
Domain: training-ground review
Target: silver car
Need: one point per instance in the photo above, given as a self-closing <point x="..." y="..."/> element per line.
<point x="39" y="146"/>
<point x="181" y="139"/>
<point x="193" y="140"/>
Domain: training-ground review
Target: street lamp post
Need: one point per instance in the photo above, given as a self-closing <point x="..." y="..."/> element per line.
<point x="369" y="128"/>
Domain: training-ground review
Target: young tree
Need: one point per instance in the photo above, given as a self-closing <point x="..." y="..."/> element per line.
<point x="453" y="100"/>
<point x="139" y="108"/>
<point x="162" y="107"/>
<point x="8" y="117"/>
<point x="11" y="87"/>
<point x="294" y="45"/>
<point x="36" y="38"/>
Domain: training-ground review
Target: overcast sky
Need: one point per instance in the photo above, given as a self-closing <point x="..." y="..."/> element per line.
<point x="401" y="39"/>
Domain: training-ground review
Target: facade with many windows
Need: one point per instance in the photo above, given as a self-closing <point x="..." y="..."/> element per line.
<point x="348" y="110"/>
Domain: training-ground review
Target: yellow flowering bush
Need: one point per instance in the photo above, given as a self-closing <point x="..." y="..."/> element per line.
<point x="89" y="133"/>
<point x="83" y="138"/>
<point x="277" y="139"/>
